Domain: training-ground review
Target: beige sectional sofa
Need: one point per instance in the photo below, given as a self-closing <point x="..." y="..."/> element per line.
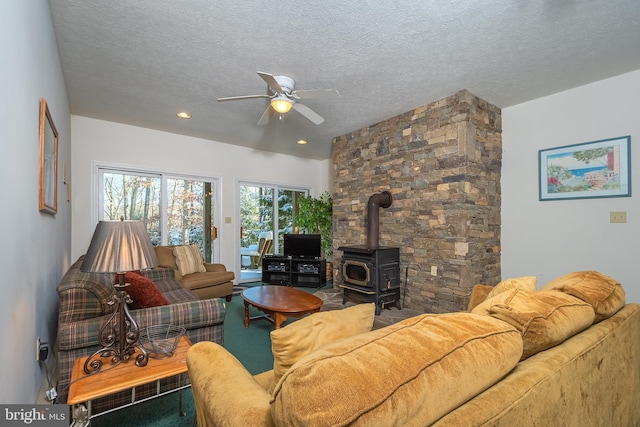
<point x="567" y="355"/>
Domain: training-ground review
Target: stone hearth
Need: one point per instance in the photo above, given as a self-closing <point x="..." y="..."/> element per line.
<point x="332" y="300"/>
<point x="441" y="162"/>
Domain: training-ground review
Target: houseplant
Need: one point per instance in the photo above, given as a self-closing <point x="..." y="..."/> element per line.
<point x="315" y="215"/>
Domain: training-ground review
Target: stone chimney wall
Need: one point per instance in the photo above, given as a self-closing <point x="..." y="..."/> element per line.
<point x="441" y="162"/>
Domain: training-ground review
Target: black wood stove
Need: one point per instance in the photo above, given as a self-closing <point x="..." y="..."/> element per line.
<point x="371" y="273"/>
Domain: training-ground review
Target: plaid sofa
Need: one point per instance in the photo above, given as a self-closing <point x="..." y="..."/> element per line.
<point x="83" y="309"/>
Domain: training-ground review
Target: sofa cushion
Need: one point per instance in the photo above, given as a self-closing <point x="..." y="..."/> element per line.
<point x="166" y="257"/>
<point x="604" y="293"/>
<point x="545" y="319"/>
<point x="189" y="259"/>
<point x="527" y="283"/>
<point x="438" y="363"/>
<point x="206" y="279"/>
<point x="177" y="296"/>
<point x="143" y="292"/>
<point x="479" y="294"/>
<point x="296" y="340"/>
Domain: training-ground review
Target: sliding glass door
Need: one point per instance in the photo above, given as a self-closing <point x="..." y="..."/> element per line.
<point x="177" y="210"/>
<point x="190" y="214"/>
<point x="267" y="212"/>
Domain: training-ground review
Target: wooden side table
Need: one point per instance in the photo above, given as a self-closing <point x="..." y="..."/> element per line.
<point x="87" y="387"/>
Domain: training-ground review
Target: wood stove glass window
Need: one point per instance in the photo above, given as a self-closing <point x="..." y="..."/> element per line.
<point x="356" y="272"/>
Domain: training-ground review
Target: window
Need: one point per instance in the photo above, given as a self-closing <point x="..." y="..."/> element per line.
<point x="177" y="210"/>
<point x="132" y="197"/>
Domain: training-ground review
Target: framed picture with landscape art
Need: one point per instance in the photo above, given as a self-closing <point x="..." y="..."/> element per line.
<point x="48" y="194"/>
<point x="587" y="170"/>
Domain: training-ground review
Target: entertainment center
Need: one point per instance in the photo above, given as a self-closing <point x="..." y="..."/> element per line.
<point x="301" y="264"/>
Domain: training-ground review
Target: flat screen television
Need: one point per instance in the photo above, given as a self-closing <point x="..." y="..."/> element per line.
<point x="302" y="245"/>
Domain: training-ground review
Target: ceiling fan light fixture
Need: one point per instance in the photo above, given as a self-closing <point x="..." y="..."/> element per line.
<point x="283" y="97"/>
<point x="281" y="104"/>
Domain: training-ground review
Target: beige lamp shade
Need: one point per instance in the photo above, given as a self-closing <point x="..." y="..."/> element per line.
<point x="118" y="247"/>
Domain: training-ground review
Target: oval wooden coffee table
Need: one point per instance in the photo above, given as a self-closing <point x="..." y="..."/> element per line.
<point x="278" y="303"/>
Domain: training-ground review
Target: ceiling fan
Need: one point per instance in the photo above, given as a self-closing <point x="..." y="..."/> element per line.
<point x="284" y="97"/>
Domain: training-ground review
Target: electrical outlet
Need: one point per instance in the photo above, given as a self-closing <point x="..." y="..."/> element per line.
<point x="42" y="350"/>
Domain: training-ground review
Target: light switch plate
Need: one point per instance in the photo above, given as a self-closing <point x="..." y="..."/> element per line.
<point x="618" y="217"/>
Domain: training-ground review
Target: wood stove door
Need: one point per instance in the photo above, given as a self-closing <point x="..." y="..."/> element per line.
<point x="356" y="272"/>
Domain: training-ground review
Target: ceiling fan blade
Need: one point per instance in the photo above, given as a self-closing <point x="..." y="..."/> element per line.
<point x="315" y="93"/>
<point x="266" y="116"/>
<point x="233" y="98"/>
<point x="308" y="113"/>
<point x="271" y="81"/>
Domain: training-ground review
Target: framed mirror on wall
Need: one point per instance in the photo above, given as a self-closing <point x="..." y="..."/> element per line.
<point x="48" y="161"/>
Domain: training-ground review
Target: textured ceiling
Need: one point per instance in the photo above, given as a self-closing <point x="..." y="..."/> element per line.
<point x="140" y="61"/>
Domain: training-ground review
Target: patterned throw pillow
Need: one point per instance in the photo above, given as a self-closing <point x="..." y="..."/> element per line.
<point x="189" y="259"/>
<point x="143" y="292"/>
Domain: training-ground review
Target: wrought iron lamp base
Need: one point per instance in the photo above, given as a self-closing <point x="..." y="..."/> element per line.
<point x="119" y="335"/>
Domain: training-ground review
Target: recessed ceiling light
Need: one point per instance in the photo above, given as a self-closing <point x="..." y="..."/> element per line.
<point x="183" y="115"/>
<point x="301" y="141"/>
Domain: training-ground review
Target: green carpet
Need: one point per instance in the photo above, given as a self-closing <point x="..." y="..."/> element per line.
<point x="252" y="347"/>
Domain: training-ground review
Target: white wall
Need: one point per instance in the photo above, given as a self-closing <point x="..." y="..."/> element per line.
<point x="36" y="248"/>
<point x="551" y="238"/>
<point x="102" y="141"/>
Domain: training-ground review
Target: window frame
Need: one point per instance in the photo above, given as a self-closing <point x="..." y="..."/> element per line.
<point x="97" y="195"/>
<point x="276" y="219"/>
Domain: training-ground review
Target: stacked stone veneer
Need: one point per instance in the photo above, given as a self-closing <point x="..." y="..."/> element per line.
<point x="441" y="163"/>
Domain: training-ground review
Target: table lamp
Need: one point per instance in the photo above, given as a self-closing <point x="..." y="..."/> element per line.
<point x="118" y="247"/>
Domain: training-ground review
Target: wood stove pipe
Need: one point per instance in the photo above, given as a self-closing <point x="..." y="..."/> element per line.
<point x="376" y="201"/>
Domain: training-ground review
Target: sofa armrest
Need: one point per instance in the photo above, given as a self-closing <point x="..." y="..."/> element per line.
<point x="224" y="392"/>
<point x="215" y="267"/>
<point x="190" y="315"/>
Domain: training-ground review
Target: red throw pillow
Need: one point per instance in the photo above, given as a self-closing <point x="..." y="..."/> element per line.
<point x="143" y="292"/>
